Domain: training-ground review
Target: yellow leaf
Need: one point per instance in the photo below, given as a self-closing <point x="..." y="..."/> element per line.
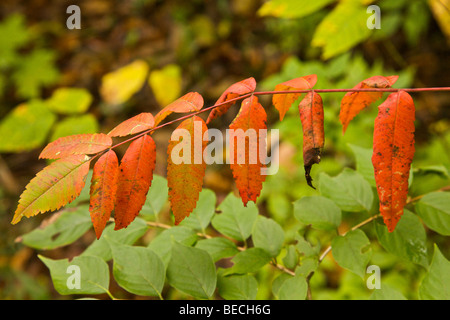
<point x="441" y="13"/>
<point x="166" y="84"/>
<point x="120" y="85"/>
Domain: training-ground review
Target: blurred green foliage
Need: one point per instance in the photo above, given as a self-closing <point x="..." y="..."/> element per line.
<point x="28" y="71"/>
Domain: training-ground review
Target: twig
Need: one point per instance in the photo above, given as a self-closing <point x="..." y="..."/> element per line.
<point x="359" y="225"/>
<point x="422" y="195"/>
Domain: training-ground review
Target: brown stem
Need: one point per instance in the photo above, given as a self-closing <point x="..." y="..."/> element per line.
<point x="422" y="195"/>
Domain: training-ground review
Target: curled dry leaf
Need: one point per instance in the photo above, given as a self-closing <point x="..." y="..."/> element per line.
<point x="311" y="116"/>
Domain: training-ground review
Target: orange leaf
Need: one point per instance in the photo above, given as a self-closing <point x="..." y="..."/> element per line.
<point x="55" y="186"/>
<point x="103" y="190"/>
<point x="76" y="144"/>
<point x="311" y="116"/>
<point x="235" y="90"/>
<point x="283" y="102"/>
<point x="136" y="124"/>
<point x="393" y="152"/>
<point x="191" y="101"/>
<point x="354" y="102"/>
<point x="245" y="159"/>
<point x="186" y="166"/>
<point x="135" y="178"/>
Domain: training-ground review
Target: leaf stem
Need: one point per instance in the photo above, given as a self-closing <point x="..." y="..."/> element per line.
<point x="359" y="225"/>
<point x="422" y="195"/>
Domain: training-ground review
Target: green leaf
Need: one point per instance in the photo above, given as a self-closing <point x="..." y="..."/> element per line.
<point x="13" y="35"/>
<point x="75" y="125"/>
<point x="320" y="212"/>
<point x="127" y="236"/>
<point x="93" y="275"/>
<point x="342" y="29"/>
<point x="416" y="21"/>
<point x="192" y="271"/>
<point x="61" y="229"/>
<point x="436" y="284"/>
<point x="290" y="260"/>
<point x="26" y="127"/>
<point x="218" y="248"/>
<point x="291" y="8"/>
<point x="70" y="100"/>
<point x="305" y="248"/>
<point x="268" y="235"/>
<point x="407" y="241"/>
<point x="157" y="196"/>
<point x="235" y="220"/>
<point x="434" y="210"/>
<point x="307" y="266"/>
<point x="278" y="282"/>
<point x="348" y="190"/>
<point x="293" y="288"/>
<point x="200" y="217"/>
<point x="350" y="251"/>
<point x="34" y="71"/>
<point x="162" y="244"/>
<point x="364" y="164"/>
<point x="386" y="293"/>
<point x="138" y="270"/>
<point x="237" y="287"/>
<point x="250" y="260"/>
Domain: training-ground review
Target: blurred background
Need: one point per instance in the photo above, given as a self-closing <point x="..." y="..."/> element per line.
<point x="134" y="56"/>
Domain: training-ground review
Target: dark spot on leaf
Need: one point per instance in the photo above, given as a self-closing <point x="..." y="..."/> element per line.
<point x="55" y="236"/>
<point x="395" y="151"/>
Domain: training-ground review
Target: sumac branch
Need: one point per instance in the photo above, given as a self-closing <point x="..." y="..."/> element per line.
<point x="121" y="188"/>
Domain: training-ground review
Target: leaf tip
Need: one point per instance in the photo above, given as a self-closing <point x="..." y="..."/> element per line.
<point x="16" y="219"/>
<point x="391" y="80"/>
<point x="312" y="79"/>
